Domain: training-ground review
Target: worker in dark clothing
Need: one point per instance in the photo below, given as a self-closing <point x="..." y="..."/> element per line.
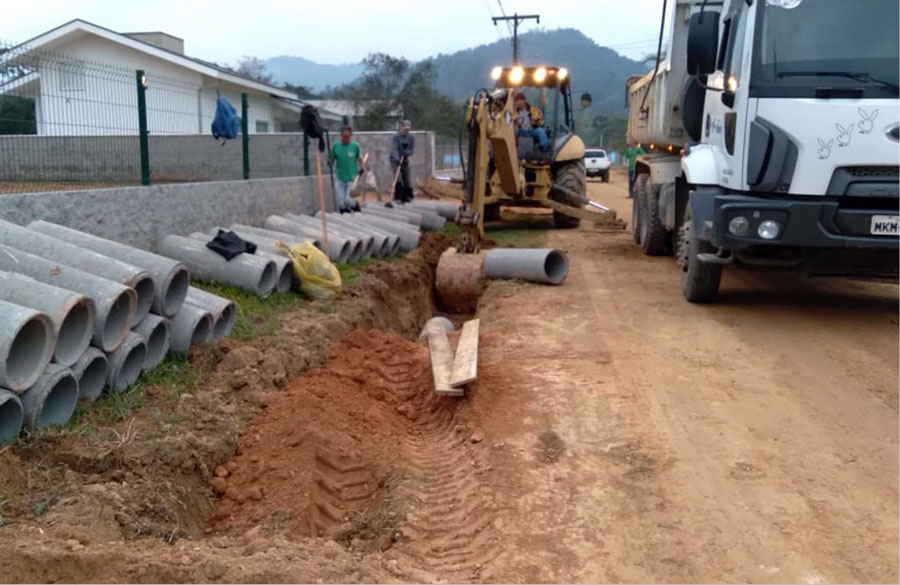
<point x="402" y="147"/>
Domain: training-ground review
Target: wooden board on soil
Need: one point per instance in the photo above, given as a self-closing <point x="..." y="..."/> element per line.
<point x="465" y="364"/>
<point x="441" y="361"/>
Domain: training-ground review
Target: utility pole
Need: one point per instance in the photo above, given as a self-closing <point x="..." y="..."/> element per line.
<point x="516" y="18"/>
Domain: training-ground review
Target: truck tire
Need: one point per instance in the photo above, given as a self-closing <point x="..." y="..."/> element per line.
<point x="572" y="176"/>
<point x="492" y="212"/>
<point x="699" y="282"/>
<point x="637" y="205"/>
<point x="653" y="233"/>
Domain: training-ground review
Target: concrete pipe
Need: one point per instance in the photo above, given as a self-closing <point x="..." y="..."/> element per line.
<point x="246" y="271"/>
<point x="52" y="399"/>
<point x="190" y="325"/>
<point x="443" y="322"/>
<point x="283" y="267"/>
<point x="357" y="246"/>
<point x="417" y="217"/>
<point x="263" y="243"/>
<point x="170" y="278"/>
<point x="73" y="314"/>
<point x="543" y="265"/>
<point x="126" y="363"/>
<point x="26" y="345"/>
<point x="115" y="303"/>
<point x="459" y="281"/>
<point x="222" y="310"/>
<point x="83" y="259"/>
<point x="445" y="210"/>
<point x="339" y="249"/>
<point x="91" y="371"/>
<point x="157" y="337"/>
<point x="409" y="238"/>
<point x="393" y="241"/>
<point x="394" y="221"/>
<point x="381" y="247"/>
<point x="368" y="242"/>
<point x="271" y="237"/>
<point x="12" y="416"/>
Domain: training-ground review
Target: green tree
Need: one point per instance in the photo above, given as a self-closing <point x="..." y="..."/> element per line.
<point x="254" y="68"/>
<point x="301" y="91"/>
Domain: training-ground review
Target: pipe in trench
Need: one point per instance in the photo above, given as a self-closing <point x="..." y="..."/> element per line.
<point x="367" y="240"/>
<point x="73" y="314"/>
<point x="12" y="416"/>
<point x="222" y="310"/>
<point x="52" y="399"/>
<point x="83" y="259"/>
<point x="283" y="267"/>
<point x="357" y="246"/>
<point x="544" y="265"/>
<point x="155" y="331"/>
<point x="339" y="250"/>
<point x="190" y="325"/>
<point x="245" y="271"/>
<point x="381" y="245"/>
<point x="91" y="371"/>
<point x="26" y="345"/>
<point x="171" y="278"/>
<point x="126" y="363"/>
<point x="409" y="238"/>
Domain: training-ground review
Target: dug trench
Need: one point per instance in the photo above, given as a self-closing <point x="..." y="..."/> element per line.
<point x="319" y="453"/>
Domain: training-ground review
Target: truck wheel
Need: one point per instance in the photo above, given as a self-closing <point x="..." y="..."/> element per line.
<point x="653" y="233"/>
<point x="492" y="212"/>
<point x="699" y="281"/>
<point x="572" y="176"/>
<point x="637" y="206"/>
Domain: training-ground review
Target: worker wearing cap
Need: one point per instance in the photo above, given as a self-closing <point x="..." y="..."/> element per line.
<point x="530" y="122"/>
<point x="402" y="147"/>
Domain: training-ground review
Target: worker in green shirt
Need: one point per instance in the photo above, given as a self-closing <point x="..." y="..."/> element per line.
<point x="348" y="160"/>
<point x="631" y="153"/>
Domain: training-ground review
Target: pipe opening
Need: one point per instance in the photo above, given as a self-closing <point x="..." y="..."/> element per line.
<point x="177" y="291"/>
<point x="285" y="278"/>
<point x="145" y="290"/>
<point x="118" y="320"/>
<point x="202" y="329"/>
<point x="59" y="403"/>
<point x="93" y="378"/>
<point x="345" y="253"/>
<point x="556" y="266"/>
<point x="74" y="334"/>
<point x="11" y="417"/>
<point x="28" y="352"/>
<point x="356" y="252"/>
<point x="225" y="322"/>
<point x="132" y="366"/>
<point x="157" y="345"/>
<point x="267" y="280"/>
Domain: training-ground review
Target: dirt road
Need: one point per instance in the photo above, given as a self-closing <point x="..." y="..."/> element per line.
<point x="632" y="436"/>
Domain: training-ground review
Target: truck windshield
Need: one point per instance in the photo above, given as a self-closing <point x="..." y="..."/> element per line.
<point x="802" y="45"/>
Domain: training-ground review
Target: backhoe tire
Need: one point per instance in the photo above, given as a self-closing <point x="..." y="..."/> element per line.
<point x="637" y="205"/>
<point x="654" y="235"/>
<point x="492" y="212"/>
<point x="572" y="176"/>
<point x="699" y="282"/>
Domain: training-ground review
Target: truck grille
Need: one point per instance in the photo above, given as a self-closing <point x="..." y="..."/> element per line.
<point x="880" y="172"/>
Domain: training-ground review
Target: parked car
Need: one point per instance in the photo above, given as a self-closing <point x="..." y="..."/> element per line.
<point x="596" y="163"/>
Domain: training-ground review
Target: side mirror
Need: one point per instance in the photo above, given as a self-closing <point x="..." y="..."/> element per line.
<point x="703" y="38"/>
<point x="586" y="100"/>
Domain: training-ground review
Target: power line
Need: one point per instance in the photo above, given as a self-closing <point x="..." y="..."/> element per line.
<point x="503" y="13"/>
<point x="491" y="12"/>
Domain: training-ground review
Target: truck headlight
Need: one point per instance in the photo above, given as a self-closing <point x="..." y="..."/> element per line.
<point x="496" y="72"/>
<point x="516" y="74"/>
<point x="769" y="229"/>
<point x="540" y="74"/>
<point x="562" y="73"/>
<point x="739" y="226"/>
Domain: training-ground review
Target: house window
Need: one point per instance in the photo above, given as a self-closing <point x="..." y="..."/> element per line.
<point x="72" y="76"/>
<point x="262" y="127"/>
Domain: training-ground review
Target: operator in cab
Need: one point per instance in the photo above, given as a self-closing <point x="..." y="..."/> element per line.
<point x="530" y="122"/>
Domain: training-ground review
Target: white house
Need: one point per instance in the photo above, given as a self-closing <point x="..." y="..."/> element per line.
<point x="82" y="78"/>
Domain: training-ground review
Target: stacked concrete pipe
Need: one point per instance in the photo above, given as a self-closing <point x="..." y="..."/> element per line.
<point x="278" y="223"/>
<point x="12" y="416"/>
<point x="409" y="235"/>
<point x="422" y="218"/>
<point x="115" y="304"/>
<point x="126" y="363"/>
<point x="73" y="314"/>
<point x="26" y="345"/>
<point x="272" y="236"/>
<point x="544" y="265"/>
<point x="171" y="278"/>
<point x="52" y="399"/>
<point x="370" y="246"/>
<point x="83" y="259"/>
<point x="265" y="243"/>
<point x="157" y="337"/>
<point x="283" y="267"/>
<point x="91" y="370"/>
<point x="222" y="310"/>
<point x="388" y="244"/>
<point x="340" y="250"/>
<point x="246" y="271"/>
<point x="445" y="210"/>
<point x="189" y="326"/>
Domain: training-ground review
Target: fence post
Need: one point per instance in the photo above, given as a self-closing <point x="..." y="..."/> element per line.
<point x="142" y="126"/>
<point x="245" y="139"/>
<point x="305" y="154"/>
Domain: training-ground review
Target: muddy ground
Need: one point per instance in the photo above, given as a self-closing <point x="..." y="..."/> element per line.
<point x="615" y="433"/>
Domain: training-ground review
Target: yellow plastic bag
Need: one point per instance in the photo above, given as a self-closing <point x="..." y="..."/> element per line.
<point x="319" y="278"/>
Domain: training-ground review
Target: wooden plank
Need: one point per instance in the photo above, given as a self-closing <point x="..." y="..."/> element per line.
<point x="465" y="364"/>
<point x="441" y="361"/>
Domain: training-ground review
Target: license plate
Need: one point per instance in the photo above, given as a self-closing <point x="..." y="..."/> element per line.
<point x="885" y="225"/>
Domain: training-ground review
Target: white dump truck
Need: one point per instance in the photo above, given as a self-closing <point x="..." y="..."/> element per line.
<point x="770" y="132"/>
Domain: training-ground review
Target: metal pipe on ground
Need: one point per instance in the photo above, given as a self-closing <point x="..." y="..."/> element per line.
<point x="384" y="244"/>
<point x="409" y="238"/>
<point x="52" y="399"/>
<point x="283" y="267"/>
<point x="171" y="278"/>
<point x="339" y="249"/>
<point x="115" y="303"/>
<point x="245" y="271"/>
<point x="356" y="245"/>
<point x="544" y="265"/>
<point x="12" y="416"/>
<point x="91" y="371"/>
<point x="222" y="310"/>
<point x="73" y="314"/>
<point x="368" y="241"/>
<point x="155" y="331"/>
<point x="126" y="363"/>
<point x="83" y="259"/>
<point x="26" y="345"/>
<point x="190" y="325"/>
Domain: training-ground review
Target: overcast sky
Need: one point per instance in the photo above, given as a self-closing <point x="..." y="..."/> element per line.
<point x="338" y="32"/>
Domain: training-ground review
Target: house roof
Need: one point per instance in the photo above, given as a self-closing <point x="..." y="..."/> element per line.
<point x="349" y="107"/>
